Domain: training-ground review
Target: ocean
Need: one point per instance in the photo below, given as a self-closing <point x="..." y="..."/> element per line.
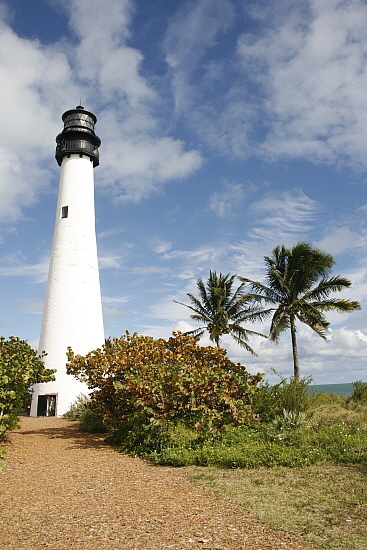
<point x="340" y="389"/>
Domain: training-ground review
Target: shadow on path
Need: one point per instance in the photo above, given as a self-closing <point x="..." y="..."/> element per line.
<point x="70" y="432"/>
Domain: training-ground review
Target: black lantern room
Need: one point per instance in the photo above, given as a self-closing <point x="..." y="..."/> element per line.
<point x="78" y="136"/>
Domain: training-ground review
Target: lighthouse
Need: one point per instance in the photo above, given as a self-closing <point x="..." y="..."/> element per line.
<point x="72" y="314"/>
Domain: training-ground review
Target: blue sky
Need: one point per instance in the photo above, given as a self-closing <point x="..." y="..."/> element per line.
<point x="227" y="127"/>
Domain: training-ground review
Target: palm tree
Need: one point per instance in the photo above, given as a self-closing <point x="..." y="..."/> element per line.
<point x="223" y="310"/>
<point x="299" y="286"/>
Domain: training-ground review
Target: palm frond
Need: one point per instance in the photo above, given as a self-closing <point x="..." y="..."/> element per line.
<point x="262" y="292"/>
<point x="240" y="341"/>
<point x="197" y="332"/>
<point x="198" y="307"/>
<point x="326" y="287"/>
<point x="244" y="332"/>
<point x="279" y="323"/>
<point x="337" y="304"/>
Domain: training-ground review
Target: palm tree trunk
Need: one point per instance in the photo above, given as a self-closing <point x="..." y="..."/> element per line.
<point x="294" y="348"/>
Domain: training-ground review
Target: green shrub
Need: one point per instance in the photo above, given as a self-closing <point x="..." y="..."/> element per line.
<point x="326" y="399"/>
<point x="293" y="395"/>
<point x="77" y="408"/>
<point x="138" y="438"/>
<point x="339" y="443"/>
<point x="20" y="368"/>
<point x="91" y="422"/>
<point x="359" y="394"/>
<point x="352" y="415"/>
<point x="250" y="447"/>
<point x="246" y="449"/>
<point x="263" y="402"/>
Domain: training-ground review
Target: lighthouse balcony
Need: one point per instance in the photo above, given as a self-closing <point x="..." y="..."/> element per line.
<point x="79" y="147"/>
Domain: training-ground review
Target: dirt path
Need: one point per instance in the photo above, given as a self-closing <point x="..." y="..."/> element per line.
<point x="61" y="489"/>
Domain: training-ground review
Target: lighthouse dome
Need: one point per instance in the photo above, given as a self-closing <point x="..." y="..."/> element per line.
<point x="78" y="135"/>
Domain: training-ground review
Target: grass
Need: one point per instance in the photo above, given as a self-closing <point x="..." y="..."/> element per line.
<point x="257" y="446"/>
<point x="324" y="505"/>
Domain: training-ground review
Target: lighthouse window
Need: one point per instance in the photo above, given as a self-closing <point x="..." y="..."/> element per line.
<point x="64" y="211"/>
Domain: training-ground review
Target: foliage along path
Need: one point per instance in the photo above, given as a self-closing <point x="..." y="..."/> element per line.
<point x="62" y="489"/>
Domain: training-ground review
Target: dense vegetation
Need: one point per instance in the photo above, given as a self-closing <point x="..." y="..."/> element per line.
<point x="314" y="432"/>
<point x="176" y="403"/>
<point x="20" y="368"/>
<point x="140" y="382"/>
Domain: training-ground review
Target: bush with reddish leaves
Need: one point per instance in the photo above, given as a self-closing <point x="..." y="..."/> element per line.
<point x="153" y="381"/>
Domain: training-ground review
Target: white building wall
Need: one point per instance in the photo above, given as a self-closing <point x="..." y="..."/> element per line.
<point x="73" y="310"/>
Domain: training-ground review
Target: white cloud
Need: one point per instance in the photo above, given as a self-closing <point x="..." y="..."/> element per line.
<point x="135" y="167"/>
<point x="278" y="218"/>
<point x="137" y="159"/>
<point x="285" y="216"/>
<point x="228" y="202"/>
<point x="106" y="261"/>
<point x="166" y="309"/>
<point x="31" y="89"/>
<point x="293" y="90"/>
<point x="193" y="30"/>
<point x="35" y="307"/>
<point x="183" y="326"/>
<point x="202" y="254"/>
<point x="205" y="83"/>
<point x="313" y="72"/>
<point x="162" y="247"/>
<point x="148" y="270"/>
<point x="113" y="312"/>
<point x="102" y="55"/>
<point x="115" y="299"/>
<point x="13" y="267"/>
<point x="340" y="240"/>
<point x="340" y="359"/>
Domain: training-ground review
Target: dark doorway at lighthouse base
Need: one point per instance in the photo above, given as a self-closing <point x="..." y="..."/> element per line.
<point x="46" y="405"/>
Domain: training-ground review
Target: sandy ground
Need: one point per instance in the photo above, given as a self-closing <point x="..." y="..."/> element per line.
<point x="62" y="489"/>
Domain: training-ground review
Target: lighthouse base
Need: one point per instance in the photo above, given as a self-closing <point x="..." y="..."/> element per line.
<point x="46" y="405"/>
<point x="55" y="399"/>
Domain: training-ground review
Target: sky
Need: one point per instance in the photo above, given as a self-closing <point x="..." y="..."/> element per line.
<point x="227" y="126"/>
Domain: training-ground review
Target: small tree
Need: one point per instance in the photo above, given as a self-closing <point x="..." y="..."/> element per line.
<point x="20" y="368"/>
<point x="298" y="289"/>
<point x="137" y="377"/>
<point x="223" y="310"/>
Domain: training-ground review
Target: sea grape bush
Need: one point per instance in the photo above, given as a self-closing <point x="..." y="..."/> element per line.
<point x="151" y="380"/>
<point x="20" y="368"/>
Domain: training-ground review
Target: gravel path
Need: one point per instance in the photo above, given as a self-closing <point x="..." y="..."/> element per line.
<point x="62" y="489"/>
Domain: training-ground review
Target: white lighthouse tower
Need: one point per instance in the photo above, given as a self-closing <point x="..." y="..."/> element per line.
<point x="72" y="313"/>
